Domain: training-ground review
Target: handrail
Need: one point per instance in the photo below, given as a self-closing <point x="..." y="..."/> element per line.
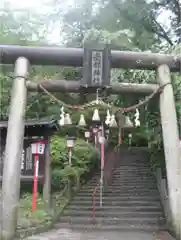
<point x="64" y="190"/>
<point x="107" y="177"/>
<point x="94" y="200"/>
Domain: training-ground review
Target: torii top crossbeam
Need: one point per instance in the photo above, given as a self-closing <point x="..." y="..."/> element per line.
<point x="74" y="57"/>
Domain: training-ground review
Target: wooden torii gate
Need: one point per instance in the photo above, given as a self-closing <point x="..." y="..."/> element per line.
<point x="75" y="57"/>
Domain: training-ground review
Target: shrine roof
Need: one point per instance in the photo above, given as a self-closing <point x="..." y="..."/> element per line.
<point x="34" y="126"/>
<point x="33" y="122"/>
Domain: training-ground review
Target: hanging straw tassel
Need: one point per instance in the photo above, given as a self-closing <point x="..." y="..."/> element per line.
<point x="108" y="118"/>
<point x="128" y="122"/>
<point x="62" y="117"/>
<point x="137" y="121"/>
<point x="82" y="121"/>
<point x="95" y="116"/>
<point x="113" y="122"/>
<point x="67" y="120"/>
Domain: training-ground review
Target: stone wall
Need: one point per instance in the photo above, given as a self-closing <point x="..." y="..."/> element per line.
<point x="162" y="187"/>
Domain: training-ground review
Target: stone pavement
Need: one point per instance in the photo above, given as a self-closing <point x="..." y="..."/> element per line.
<point x="67" y="234"/>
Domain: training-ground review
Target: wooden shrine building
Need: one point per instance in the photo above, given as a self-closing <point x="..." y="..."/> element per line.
<point x="35" y="130"/>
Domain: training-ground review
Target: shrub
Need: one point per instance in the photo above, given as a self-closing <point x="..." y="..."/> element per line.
<point x="84" y="159"/>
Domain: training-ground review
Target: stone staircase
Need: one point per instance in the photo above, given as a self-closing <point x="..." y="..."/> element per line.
<point x="0" y="208"/>
<point x="130" y="202"/>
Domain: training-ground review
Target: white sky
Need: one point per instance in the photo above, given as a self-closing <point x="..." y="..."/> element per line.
<point x="41" y="7"/>
<point x="20" y="4"/>
<point x="34" y="4"/>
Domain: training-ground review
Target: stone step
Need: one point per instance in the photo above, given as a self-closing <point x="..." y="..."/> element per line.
<point x="130" y="187"/>
<point x="118" y="228"/>
<point x="126" y="178"/>
<point x="134" y="159"/>
<point x="129" y="179"/>
<point x="130" y="192"/>
<point x="133" y="164"/>
<point x="123" y="194"/>
<point x="133" y="171"/>
<point x="115" y="185"/>
<point x="115" y="213"/>
<point x="120" y="198"/>
<point x="110" y="202"/>
<point x="133" y="167"/>
<point x="132" y="176"/>
<point x="109" y="186"/>
<point x="122" y="190"/>
<point x="130" y="172"/>
<point x="123" y="179"/>
<point x="114" y="221"/>
<point x="118" y="203"/>
<point x="120" y="182"/>
<point x="116" y="208"/>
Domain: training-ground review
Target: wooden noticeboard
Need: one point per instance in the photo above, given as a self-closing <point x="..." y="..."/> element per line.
<point x="27" y="159"/>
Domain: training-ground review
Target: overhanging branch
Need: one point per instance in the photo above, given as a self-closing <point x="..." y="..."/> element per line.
<point x="163" y="34"/>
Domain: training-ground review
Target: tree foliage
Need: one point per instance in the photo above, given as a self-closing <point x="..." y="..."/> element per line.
<point x="141" y="18"/>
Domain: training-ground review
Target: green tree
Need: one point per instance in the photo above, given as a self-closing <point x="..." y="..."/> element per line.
<point x="29" y="28"/>
<point x="149" y="22"/>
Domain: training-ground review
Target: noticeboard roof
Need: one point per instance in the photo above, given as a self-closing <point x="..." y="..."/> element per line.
<point x="35" y="127"/>
<point x="32" y="123"/>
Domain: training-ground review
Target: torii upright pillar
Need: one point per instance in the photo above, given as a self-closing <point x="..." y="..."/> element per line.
<point x="13" y="151"/>
<point x="171" y="144"/>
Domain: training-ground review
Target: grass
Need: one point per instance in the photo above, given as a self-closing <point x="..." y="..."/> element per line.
<point x="43" y="215"/>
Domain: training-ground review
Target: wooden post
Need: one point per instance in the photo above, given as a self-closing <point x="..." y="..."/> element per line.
<point x="69" y="190"/>
<point x="47" y="174"/>
<point x="171" y="144"/>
